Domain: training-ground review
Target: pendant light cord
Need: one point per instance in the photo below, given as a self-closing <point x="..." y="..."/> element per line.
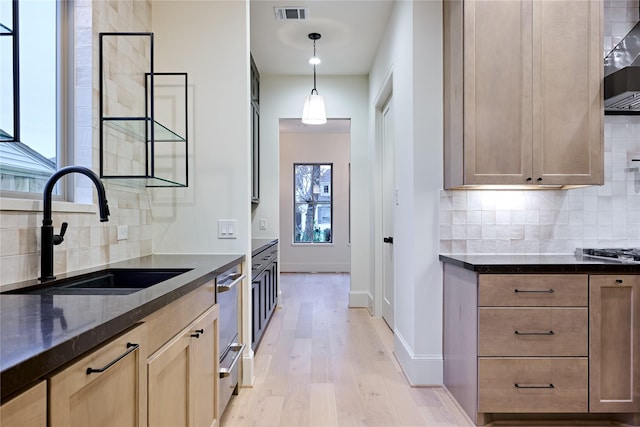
<point x="314" y="70"/>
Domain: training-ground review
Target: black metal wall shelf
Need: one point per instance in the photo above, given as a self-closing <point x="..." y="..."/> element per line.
<point x="135" y="143"/>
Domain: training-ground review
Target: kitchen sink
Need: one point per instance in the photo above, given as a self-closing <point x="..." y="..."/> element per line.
<point x="113" y="281"/>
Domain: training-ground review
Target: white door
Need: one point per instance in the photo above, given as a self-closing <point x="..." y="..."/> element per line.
<point x="388" y="202"/>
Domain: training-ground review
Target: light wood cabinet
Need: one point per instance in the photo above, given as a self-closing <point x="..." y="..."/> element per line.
<point x="183" y="376"/>
<point x="523" y="100"/>
<point x="535" y="346"/>
<point x="532" y="357"/>
<point x="615" y="344"/>
<point x="27" y="409"/>
<point x="105" y="388"/>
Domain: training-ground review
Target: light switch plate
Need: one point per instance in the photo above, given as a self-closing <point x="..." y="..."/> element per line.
<point x="227" y="228"/>
<point x="263" y="224"/>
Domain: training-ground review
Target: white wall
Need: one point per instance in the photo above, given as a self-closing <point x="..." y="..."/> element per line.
<point x="345" y="97"/>
<point x="209" y="41"/>
<point x="412" y="53"/>
<point x="315" y="148"/>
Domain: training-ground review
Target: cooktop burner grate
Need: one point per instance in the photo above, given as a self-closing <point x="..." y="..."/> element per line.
<point x="621" y="254"/>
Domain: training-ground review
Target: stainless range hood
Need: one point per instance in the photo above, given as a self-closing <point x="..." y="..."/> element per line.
<point x="622" y="76"/>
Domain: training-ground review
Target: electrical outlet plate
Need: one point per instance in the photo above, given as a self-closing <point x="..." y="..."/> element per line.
<point x="123" y="232"/>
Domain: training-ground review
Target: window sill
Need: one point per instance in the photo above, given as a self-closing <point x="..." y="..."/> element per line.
<point x="26" y="205"/>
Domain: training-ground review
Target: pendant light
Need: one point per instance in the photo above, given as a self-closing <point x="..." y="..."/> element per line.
<point x="314" y="112"/>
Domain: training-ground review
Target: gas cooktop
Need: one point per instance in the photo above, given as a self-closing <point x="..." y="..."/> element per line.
<point x="630" y="255"/>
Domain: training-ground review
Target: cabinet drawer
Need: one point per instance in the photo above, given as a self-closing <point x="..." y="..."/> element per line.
<point x="533" y="290"/>
<point x="543" y="385"/>
<point x="165" y="323"/>
<point x="533" y="332"/>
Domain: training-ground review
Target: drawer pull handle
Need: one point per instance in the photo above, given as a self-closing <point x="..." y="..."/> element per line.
<point x="197" y="333"/>
<point x="130" y="346"/>
<point x="548" y="291"/>
<point x="618" y="280"/>
<point x="534" y="333"/>
<point x="534" y="386"/>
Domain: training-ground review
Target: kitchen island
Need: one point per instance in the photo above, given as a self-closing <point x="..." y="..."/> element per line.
<point x="42" y="333"/>
<point x="542" y="337"/>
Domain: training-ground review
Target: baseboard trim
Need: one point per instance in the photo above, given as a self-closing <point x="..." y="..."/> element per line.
<point x="248" y="376"/>
<point x="420" y="369"/>
<point x="315" y="268"/>
<point x="359" y="299"/>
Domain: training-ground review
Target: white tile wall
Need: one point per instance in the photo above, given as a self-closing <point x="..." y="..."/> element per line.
<point x="552" y="221"/>
<point x="88" y="242"/>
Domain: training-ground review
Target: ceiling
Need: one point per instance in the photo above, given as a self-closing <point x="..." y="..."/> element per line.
<point x="351" y="31"/>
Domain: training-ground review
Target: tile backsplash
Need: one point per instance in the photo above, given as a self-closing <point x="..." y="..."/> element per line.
<point x="552" y="221"/>
<point x="88" y="242"/>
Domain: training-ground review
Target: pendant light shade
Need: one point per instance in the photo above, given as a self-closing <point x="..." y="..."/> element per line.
<point x="314" y="112"/>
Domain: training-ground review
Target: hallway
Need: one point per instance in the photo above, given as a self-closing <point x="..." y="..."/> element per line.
<point x="323" y="364"/>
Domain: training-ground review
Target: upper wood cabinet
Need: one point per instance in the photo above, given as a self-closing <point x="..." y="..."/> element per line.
<point x="523" y="93"/>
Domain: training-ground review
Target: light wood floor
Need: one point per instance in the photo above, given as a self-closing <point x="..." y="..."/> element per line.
<point x="321" y="363"/>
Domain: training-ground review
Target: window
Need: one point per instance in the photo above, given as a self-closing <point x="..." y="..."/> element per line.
<point x="313" y="203"/>
<point x="29" y="87"/>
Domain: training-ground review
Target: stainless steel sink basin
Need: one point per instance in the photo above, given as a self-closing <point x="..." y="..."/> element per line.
<point x="113" y="281"/>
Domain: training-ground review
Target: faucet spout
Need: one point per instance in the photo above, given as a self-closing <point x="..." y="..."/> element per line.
<point x="47" y="242"/>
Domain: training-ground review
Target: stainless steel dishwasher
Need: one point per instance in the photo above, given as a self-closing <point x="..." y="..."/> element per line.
<point x="231" y="349"/>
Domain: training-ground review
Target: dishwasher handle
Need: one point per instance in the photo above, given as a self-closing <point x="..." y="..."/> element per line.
<point x="236" y="279"/>
<point x="238" y="348"/>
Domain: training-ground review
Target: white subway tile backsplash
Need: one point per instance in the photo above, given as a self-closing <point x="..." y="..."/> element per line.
<point x="89" y="243"/>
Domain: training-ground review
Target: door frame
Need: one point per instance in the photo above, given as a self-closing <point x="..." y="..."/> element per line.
<point x="379" y="103"/>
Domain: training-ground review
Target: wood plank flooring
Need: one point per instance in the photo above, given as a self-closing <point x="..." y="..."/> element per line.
<point x="321" y="363"/>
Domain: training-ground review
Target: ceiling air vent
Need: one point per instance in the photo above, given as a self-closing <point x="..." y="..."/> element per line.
<point x="291" y="13"/>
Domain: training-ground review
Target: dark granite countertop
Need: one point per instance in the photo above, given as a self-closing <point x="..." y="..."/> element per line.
<point x="33" y="341"/>
<point x="494" y="264"/>
<point x="259" y="245"/>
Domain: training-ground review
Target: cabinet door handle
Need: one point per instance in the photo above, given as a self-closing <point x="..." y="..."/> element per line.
<point x="130" y="346"/>
<point x="534" y="386"/>
<point x="618" y="280"/>
<point x="534" y="333"/>
<point x="197" y="333"/>
<point x="533" y="291"/>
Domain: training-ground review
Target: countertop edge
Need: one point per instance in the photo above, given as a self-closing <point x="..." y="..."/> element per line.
<point x="506" y="264"/>
<point x="19" y="376"/>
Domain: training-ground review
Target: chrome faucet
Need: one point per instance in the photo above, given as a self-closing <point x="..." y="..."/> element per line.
<point x="47" y="238"/>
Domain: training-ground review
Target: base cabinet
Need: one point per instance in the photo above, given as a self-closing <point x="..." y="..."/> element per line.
<point x="104" y="388"/>
<point x="182" y="376"/>
<point x="543" y="346"/>
<point x="27" y="409"/>
<point x="264" y="290"/>
<point x="615" y="344"/>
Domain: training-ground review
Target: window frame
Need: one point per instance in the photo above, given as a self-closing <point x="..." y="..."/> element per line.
<point x="64" y="98"/>
<point x="331" y="203"/>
